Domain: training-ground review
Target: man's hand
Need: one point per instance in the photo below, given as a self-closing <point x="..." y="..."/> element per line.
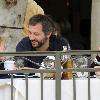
<point x="98" y="72"/>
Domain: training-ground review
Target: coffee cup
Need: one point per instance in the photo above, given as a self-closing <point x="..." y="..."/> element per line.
<point x="9" y="65"/>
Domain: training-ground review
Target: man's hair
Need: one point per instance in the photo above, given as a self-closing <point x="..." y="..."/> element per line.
<point x="46" y="22"/>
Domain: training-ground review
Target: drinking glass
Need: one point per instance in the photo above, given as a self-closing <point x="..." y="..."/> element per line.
<point x="81" y="62"/>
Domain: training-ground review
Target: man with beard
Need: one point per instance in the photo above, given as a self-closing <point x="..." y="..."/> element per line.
<point x="41" y="37"/>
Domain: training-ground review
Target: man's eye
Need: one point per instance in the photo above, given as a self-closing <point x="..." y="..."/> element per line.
<point x="34" y="33"/>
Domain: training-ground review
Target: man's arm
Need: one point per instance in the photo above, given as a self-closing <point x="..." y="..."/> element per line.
<point x="20" y="48"/>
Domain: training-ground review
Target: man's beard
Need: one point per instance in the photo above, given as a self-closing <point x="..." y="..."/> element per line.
<point x="40" y="43"/>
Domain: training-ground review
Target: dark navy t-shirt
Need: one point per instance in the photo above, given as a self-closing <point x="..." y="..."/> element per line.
<point x="56" y="44"/>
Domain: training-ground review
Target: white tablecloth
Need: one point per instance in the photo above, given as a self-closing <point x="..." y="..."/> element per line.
<point x="49" y="89"/>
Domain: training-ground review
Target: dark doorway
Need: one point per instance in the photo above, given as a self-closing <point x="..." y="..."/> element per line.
<point x="77" y="13"/>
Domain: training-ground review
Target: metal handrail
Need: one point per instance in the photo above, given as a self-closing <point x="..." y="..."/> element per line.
<point x="57" y="69"/>
<point x="49" y="70"/>
<point x="51" y="53"/>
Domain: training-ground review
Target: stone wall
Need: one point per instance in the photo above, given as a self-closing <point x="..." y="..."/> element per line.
<point x="12" y="16"/>
<point x="95" y="25"/>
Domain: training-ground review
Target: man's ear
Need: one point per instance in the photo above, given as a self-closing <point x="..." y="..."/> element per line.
<point x="49" y="34"/>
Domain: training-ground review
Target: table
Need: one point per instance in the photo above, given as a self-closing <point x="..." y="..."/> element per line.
<point x="34" y="89"/>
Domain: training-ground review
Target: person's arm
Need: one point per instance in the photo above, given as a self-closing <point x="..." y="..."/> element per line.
<point x="98" y="72"/>
<point x="19" y="47"/>
<point x="95" y="64"/>
<point x="23" y="46"/>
